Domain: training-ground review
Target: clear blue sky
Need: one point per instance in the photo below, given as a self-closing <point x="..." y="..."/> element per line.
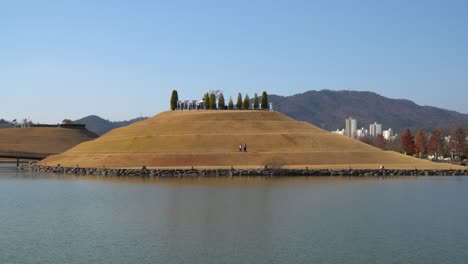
<point x="120" y="59"/>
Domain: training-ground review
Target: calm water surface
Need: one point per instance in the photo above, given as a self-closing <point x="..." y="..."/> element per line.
<point x="65" y="219"/>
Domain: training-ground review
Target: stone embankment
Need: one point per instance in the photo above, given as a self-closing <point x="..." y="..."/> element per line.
<point x="266" y="172"/>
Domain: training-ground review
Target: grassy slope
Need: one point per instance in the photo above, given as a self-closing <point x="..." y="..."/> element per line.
<point x="43" y="140"/>
<point x="211" y="138"/>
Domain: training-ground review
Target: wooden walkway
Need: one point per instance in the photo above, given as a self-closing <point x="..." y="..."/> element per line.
<point x="23" y="156"/>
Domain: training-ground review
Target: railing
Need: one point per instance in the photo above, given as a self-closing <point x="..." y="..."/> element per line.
<point x="24" y="155"/>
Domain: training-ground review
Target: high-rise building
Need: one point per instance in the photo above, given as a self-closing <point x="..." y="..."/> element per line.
<point x="360" y="133"/>
<point x="387" y="134"/>
<point x="375" y="129"/>
<point x="350" y="127"/>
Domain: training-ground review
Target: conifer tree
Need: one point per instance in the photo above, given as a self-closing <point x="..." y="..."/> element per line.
<point x="206" y="100"/>
<point x="174" y="99"/>
<point x="246" y="104"/>
<point x="230" y="104"/>
<point x="221" y="103"/>
<point x="212" y="101"/>
<point x="255" y="101"/>
<point x="264" y="103"/>
<point x="239" y="102"/>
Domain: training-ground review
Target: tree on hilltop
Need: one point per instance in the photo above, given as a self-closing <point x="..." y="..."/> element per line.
<point x="230" y="104"/>
<point x="239" y="102"/>
<point x="206" y="100"/>
<point x="174" y="99"/>
<point x="221" y="103"/>
<point x="407" y="142"/>
<point x="64" y="122"/>
<point x="212" y="101"/>
<point x="246" y="104"/>
<point x="264" y="103"/>
<point x="255" y="101"/>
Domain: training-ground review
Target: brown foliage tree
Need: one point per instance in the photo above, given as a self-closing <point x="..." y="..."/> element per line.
<point x="421" y="143"/>
<point x="407" y="142"/>
<point x="458" y="141"/>
<point x="380" y="142"/>
<point x="436" y="142"/>
<point x="366" y="139"/>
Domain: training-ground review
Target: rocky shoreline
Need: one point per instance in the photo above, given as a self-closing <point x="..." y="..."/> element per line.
<point x="266" y="172"/>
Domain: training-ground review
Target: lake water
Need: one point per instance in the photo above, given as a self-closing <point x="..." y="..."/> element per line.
<point x="66" y="219"/>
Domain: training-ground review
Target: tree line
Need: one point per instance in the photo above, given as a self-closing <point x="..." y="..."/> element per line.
<point x="215" y="100"/>
<point x="435" y="144"/>
<point x="423" y="144"/>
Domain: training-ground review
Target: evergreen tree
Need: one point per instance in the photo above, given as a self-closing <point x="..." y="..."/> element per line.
<point x="246" y="104"/>
<point x="239" y="102"/>
<point x="206" y="100"/>
<point x="231" y="104"/>
<point x="255" y="101"/>
<point x="174" y="99"/>
<point x="407" y="142"/>
<point x="212" y="101"/>
<point x="221" y="103"/>
<point x="264" y="103"/>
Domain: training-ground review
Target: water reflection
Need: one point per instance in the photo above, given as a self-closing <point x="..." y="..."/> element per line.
<point x="96" y="219"/>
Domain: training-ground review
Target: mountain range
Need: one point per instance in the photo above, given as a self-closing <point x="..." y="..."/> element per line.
<point x="101" y="126"/>
<point x="328" y="110"/>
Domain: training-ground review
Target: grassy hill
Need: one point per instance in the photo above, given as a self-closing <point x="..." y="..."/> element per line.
<point x="211" y="139"/>
<point x="41" y="140"/>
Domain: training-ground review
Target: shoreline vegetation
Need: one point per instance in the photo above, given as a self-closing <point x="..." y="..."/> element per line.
<point x="237" y="172"/>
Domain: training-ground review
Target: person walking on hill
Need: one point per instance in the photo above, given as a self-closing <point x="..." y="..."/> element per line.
<point x="245" y="147"/>
<point x="240" y="147"/>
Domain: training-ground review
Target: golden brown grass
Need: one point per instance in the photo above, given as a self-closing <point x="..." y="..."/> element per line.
<point x="211" y="138"/>
<point x="41" y="140"/>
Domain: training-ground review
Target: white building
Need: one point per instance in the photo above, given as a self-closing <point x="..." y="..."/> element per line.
<point x="447" y="139"/>
<point x="360" y="133"/>
<point x="338" y="131"/>
<point x="387" y="134"/>
<point x="350" y="127"/>
<point x="375" y="129"/>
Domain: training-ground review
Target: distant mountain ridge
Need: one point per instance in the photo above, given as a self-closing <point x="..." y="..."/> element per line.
<point x="101" y="126"/>
<point x="329" y="109"/>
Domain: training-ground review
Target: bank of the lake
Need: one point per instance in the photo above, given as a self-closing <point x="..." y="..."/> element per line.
<point x="61" y="218"/>
<point x="234" y="172"/>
